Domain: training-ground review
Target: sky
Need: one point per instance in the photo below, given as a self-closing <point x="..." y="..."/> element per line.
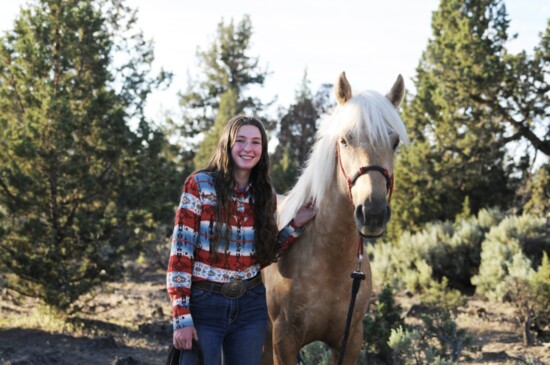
<point x="372" y="41"/>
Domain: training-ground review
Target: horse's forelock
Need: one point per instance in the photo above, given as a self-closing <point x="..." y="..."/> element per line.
<point x="369" y="112"/>
<point x="372" y="114"/>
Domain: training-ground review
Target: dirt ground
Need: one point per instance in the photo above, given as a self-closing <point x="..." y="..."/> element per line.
<point x="129" y="323"/>
<point x="494" y="331"/>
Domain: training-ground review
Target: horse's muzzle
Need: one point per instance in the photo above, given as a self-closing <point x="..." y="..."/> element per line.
<point x="371" y="219"/>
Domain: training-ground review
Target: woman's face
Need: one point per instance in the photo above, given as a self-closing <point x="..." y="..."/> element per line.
<point x="247" y="149"/>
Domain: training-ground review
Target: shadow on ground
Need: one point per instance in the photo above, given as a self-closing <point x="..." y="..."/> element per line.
<point x="149" y="345"/>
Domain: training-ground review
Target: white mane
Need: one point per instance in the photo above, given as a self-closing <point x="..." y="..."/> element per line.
<point x="368" y="113"/>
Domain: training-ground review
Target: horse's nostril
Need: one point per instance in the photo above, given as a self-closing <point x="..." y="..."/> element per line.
<point x="359" y="214"/>
<point x="372" y="215"/>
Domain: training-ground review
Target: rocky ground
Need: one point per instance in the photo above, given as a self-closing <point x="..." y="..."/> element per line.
<point x="128" y="323"/>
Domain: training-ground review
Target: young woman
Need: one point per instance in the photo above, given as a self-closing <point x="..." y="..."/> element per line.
<point x="225" y="233"/>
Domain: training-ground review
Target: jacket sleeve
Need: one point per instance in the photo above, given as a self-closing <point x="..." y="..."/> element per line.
<point x="180" y="266"/>
<point x="286" y="238"/>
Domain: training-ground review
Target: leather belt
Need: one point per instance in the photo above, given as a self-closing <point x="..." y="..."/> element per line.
<point x="231" y="290"/>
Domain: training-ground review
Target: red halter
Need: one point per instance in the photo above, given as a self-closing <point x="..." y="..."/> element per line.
<point x="351" y="181"/>
<point x="362" y="171"/>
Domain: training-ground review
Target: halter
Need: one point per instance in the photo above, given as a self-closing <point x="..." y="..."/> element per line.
<point x="351" y="182"/>
<point x="362" y="171"/>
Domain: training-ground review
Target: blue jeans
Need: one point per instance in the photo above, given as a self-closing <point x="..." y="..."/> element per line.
<point x="235" y="328"/>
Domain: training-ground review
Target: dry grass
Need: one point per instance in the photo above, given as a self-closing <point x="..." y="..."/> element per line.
<point x="129" y="323"/>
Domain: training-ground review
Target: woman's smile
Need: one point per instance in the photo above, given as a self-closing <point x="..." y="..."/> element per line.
<point x="247" y="149"/>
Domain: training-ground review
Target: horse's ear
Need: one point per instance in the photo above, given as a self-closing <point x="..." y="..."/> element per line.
<point x="397" y="91"/>
<point x="342" y="89"/>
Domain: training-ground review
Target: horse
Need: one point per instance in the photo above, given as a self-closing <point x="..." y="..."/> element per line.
<point x="349" y="176"/>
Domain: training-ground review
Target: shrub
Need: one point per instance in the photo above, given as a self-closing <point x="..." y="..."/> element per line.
<point x="512" y="249"/>
<point x="437" y="295"/>
<point x="401" y="342"/>
<point x="437" y="341"/>
<point x="440" y="250"/>
<point x="316" y="353"/>
<point x="412" y="346"/>
<point x="508" y="272"/>
<point x="378" y="324"/>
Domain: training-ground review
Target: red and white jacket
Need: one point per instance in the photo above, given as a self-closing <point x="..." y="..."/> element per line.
<point x="190" y="258"/>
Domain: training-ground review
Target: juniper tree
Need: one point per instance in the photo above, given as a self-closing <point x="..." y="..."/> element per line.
<point x="524" y="102"/>
<point x="296" y="133"/>
<point x="76" y="188"/>
<point x="225" y="68"/>
<point x="472" y="99"/>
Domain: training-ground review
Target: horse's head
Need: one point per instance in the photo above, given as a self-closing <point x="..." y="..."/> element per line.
<point x="367" y="135"/>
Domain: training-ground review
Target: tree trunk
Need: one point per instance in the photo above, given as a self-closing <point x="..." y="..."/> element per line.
<point x="527" y="319"/>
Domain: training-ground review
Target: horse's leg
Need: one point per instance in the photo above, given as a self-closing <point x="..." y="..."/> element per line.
<point x="351" y="356"/>
<point x="285" y="345"/>
<point x="353" y="347"/>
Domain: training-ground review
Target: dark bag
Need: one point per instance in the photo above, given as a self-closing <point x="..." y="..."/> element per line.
<point x="174" y="355"/>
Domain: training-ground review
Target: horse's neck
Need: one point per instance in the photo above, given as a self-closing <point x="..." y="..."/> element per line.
<point x="335" y="221"/>
<point x="331" y="240"/>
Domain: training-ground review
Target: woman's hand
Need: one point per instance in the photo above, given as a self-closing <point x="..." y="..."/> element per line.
<point x="305" y="213"/>
<point x="183" y="338"/>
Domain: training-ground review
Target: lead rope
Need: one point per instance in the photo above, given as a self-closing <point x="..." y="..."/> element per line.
<point x="357" y="275"/>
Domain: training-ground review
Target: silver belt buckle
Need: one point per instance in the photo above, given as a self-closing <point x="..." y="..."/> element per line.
<point x="234" y="289"/>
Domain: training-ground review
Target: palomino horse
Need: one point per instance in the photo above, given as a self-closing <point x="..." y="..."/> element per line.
<point x="349" y="176"/>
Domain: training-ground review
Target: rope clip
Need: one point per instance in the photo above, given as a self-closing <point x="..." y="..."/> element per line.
<point x="359" y="261"/>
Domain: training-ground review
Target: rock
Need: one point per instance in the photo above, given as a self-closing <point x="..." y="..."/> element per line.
<point x="494" y="356"/>
<point x="7" y="351"/>
<point x="416" y="310"/>
<point x="127" y="360"/>
<point x="35" y="359"/>
<point x="156" y="329"/>
<point x="481" y="312"/>
<point x="103" y="342"/>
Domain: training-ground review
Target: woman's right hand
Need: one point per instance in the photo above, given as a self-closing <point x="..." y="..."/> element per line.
<point x="306" y="213"/>
<point x="183" y="338"/>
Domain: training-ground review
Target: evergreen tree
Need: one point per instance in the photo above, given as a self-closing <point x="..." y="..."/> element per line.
<point x="76" y="183"/>
<point x="539" y="192"/>
<point x="284" y="171"/>
<point x="227" y="109"/>
<point x="459" y="140"/>
<point x="296" y="134"/>
<point x="226" y="70"/>
<point x="524" y="102"/>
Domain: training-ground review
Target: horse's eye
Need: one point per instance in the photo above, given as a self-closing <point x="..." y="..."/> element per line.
<point x="395" y="145"/>
<point x="343" y="142"/>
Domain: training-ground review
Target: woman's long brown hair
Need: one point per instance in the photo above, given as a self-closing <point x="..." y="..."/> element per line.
<point x="263" y="196"/>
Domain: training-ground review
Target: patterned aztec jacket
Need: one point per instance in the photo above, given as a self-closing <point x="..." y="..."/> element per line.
<point x="190" y="251"/>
